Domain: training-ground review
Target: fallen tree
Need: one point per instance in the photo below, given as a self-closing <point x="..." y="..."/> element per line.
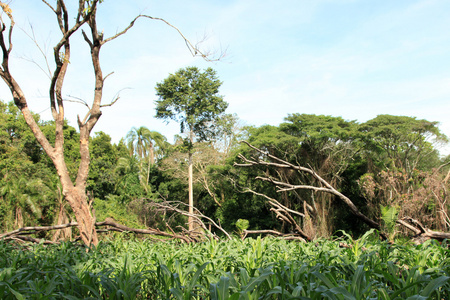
<point x="421" y="233"/>
<point x="286" y="215"/>
<point x="109" y="224"/>
<point x="198" y="233"/>
<point x="196" y="216"/>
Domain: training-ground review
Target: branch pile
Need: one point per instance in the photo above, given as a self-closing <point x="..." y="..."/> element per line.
<point x="285" y="214"/>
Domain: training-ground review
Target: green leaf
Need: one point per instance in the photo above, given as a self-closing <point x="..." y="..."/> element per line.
<point x="223" y="288"/>
<point x="255" y="281"/>
<point x="434" y="285"/>
<point x="325" y="280"/>
<point x="342" y="291"/>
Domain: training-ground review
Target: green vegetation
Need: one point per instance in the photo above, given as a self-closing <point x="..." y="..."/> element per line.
<point x="374" y="163"/>
<point x="250" y="269"/>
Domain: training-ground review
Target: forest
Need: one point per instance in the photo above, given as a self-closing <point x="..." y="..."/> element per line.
<point x="389" y="167"/>
<point x="315" y="207"/>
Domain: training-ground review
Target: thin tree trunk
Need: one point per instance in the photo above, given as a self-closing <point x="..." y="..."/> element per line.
<point x="191" y="190"/>
<point x="151" y="160"/>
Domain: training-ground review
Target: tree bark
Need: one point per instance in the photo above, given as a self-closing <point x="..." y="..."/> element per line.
<point x="191" y="180"/>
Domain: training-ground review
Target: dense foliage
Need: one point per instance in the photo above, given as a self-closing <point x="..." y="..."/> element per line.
<point x="388" y="164"/>
<point x="249" y="269"/>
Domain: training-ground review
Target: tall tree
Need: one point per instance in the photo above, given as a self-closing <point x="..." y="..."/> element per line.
<point x="191" y="98"/>
<point x="401" y="142"/>
<point x="85" y="16"/>
<point x="144" y="143"/>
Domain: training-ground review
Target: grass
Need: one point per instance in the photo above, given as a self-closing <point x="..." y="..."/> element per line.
<point x="250" y="269"/>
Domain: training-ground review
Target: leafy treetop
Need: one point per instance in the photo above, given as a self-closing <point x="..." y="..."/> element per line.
<point x="191" y="98"/>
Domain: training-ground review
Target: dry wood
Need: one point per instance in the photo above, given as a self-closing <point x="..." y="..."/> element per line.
<point x="421" y="233"/>
<point x="30" y="239"/>
<point x="283" y="186"/>
<point x="285" y="214"/>
<point x="197" y="216"/>
<point x="288" y="236"/>
<point x="27" y="230"/>
<point x="109" y="223"/>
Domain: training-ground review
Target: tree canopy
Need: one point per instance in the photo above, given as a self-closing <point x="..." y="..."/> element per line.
<point x="191" y="98"/>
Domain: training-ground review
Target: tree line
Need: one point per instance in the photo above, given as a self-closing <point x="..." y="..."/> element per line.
<point x="389" y="167"/>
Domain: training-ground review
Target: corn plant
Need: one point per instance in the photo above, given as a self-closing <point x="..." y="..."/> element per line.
<point x="251" y="269"/>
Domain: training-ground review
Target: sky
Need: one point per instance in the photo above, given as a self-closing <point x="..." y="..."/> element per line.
<point x="350" y="58"/>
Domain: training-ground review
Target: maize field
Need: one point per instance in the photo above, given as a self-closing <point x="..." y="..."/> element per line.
<point x="251" y="269"/>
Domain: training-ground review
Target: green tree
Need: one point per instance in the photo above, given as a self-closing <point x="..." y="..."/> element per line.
<point x="146" y="144"/>
<point x="23" y="171"/>
<point x="104" y="155"/>
<point x="191" y="98"/>
<point x="401" y="142"/>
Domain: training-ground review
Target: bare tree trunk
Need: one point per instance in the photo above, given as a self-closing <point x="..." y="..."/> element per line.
<point x="151" y="161"/>
<point x="19" y="218"/>
<point x="191" y="187"/>
<point x="85" y="219"/>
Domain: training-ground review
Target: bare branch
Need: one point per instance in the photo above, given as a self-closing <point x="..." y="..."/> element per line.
<point x="77" y="100"/>
<point x="276" y="203"/>
<point x="25" y="230"/>
<point x="195" y="51"/>
<point x="282" y="186"/>
<point x="32" y="37"/>
<point x="115" y="98"/>
<point x="410" y="227"/>
<point x="110" y="222"/>
<point x="198" y="215"/>
<point x="274" y="232"/>
<point x="284" y="213"/>
<point x="421" y="232"/>
<point x="417" y="224"/>
<point x="51" y="7"/>
<point x="19" y="233"/>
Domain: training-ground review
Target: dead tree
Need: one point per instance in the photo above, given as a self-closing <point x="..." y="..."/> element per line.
<point x="188" y="236"/>
<point x="285" y="214"/>
<point x="69" y="24"/>
<point x="324" y="186"/>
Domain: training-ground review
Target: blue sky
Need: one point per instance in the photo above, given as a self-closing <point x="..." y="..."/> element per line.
<point x="354" y="59"/>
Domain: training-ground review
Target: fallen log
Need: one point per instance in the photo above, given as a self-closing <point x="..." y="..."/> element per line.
<point x="421" y="232"/>
<point x="286" y="236"/>
<point x="21" y="233"/>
